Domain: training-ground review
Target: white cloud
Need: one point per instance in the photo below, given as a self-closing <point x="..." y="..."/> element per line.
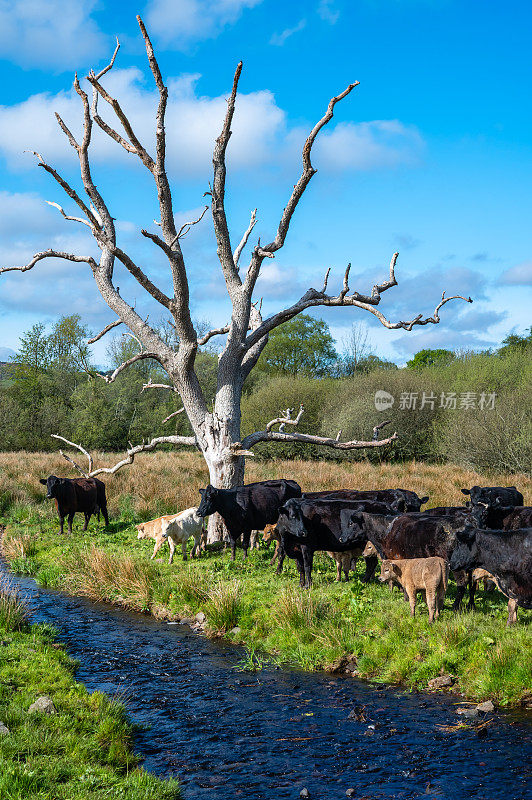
<point x="327" y="11"/>
<point x="180" y="23"/>
<point x="279" y="39"/>
<point x="261" y="134"/>
<point x="520" y="275"/>
<point x="368" y="145"/>
<point x="50" y="33"/>
<point x="193" y="122"/>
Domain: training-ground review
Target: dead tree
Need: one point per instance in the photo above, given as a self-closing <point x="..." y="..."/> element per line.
<point x="216" y="432"/>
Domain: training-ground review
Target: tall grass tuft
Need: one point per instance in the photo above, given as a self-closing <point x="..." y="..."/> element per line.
<point x="14" y="611"/>
<point x="194" y="587"/>
<point x="224" y="606"/>
<point x="301" y="609"/>
<point x="101" y="575"/>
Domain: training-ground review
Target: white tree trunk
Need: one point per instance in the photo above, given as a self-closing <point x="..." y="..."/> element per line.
<point x="225" y="469"/>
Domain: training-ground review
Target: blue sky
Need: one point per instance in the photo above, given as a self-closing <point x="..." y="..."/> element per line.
<point x="430" y="155"/>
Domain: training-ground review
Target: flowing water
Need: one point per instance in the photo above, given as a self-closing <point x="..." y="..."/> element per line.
<point x="227" y="734"/>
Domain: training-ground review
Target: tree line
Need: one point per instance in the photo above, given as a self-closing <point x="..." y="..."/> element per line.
<point x="470" y="408"/>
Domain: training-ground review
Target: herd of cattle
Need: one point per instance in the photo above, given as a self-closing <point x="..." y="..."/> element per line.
<point x="489" y="538"/>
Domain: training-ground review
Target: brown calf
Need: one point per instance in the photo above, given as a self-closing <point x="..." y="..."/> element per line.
<point x="427" y="575"/>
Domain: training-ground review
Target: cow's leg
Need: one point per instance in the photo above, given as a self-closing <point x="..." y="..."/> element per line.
<point x="233" y="549"/>
<point x="70" y="521"/>
<point x="308" y="557"/>
<point x="275" y="553"/>
<point x="472" y="586"/>
<point x="346" y="565"/>
<point x="105" y="514"/>
<point x="430" y="598"/>
<point x="171" y="545"/>
<point x="245" y="542"/>
<point x="512" y="612"/>
<point x="281" y="555"/>
<point x="87" y="515"/>
<point x="461" y="585"/>
<point x="184" y="550"/>
<point x="301" y="569"/>
<point x="412" y="601"/>
<point x="61" y="522"/>
<point x="371" y="566"/>
<point x="158" y="544"/>
<point x="338" y="560"/>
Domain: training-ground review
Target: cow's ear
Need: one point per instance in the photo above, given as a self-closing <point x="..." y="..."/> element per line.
<point x="424" y="500"/>
<point x="201" y="491"/>
<point x="43" y="481"/>
<point x="465" y="491"/>
<point x="395" y="567"/>
<point x="466" y="535"/>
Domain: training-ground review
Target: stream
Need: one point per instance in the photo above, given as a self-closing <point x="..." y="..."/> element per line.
<point x="227" y="734"/>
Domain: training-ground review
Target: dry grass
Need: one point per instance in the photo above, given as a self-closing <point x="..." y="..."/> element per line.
<point x="101" y="575"/>
<point x="165" y="482"/>
<point x="14" y="611"/>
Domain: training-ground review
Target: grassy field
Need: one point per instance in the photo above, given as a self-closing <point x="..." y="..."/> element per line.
<point x="272" y="617"/>
<point x="83" y="752"/>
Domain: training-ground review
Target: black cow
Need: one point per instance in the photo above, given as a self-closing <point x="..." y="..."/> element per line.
<point x="417" y="535"/>
<point x="517" y="517"/>
<point x="398" y="500"/>
<point x="499" y="517"/>
<point x="306" y="526"/>
<point x="507" y="555"/>
<point x="340" y="503"/>
<point x="486" y="503"/>
<point x="247" y="508"/>
<point x="71" y="495"/>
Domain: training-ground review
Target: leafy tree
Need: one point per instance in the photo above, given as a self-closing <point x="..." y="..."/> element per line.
<point x="515" y="342"/>
<point x="429" y="358"/>
<point x="302" y="346"/>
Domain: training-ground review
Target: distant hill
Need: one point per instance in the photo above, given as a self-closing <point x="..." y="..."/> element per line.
<point x="6" y="353"/>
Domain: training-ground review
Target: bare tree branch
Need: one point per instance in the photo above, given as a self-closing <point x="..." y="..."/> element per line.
<point x="66" y="216"/>
<point x="130" y="361"/>
<point x="308" y="171"/>
<point x="51" y="254"/>
<point x="184" y="229"/>
<point x="173" y="414"/>
<point x="105" y="330"/>
<point x="377" y="428"/>
<point x="151" y="385"/>
<point x="78" y="447"/>
<point x="131" y="453"/>
<point x="368" y="302"/>
<point x="245" y="237"/>
<point x="215" y="332"/>
<point x="221" y="229"/>
<point x="286" y="419"/>
<point x="304" y="438"/>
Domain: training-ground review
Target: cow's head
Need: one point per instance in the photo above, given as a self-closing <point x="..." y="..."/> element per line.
<point x="53" y="484"/>
<point x="208" y="504"/>
<point x="291" y="519"/>
<point x="352" y="528"/>
<point x="390" y="570"/>
<point x="411" y="501"/>
<point x="466" y="551"/>
<point x="141" y="531"/>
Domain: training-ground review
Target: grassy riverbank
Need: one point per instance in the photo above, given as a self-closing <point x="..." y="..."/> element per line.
<point x="82" y="752"/>
<point x="273" y="618"/>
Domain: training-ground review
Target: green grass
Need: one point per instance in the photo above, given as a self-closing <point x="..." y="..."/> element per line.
<point x="276" y="618"/>
<point x="81" y="753"/>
